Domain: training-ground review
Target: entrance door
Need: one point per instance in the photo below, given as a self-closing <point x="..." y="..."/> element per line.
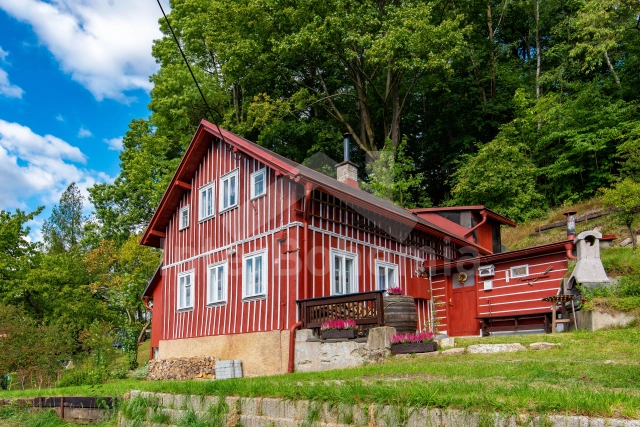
<point x="462" y="305"/>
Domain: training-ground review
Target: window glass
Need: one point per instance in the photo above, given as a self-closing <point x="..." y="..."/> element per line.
<point x="184" y="218"/>
<point x="185" y="290"/>
<point x="206" y="201"/>
<point x="520" y="271"/>
<point x="387" y="275"/>
<point x="258" y="183"/>
<point x="344" y="273"/>
<point x="255" y="273"/>
<point x="217" y="283"/>
<point x="228" y="198"/>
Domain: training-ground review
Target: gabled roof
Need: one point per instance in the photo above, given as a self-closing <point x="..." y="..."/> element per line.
<point x="478" y="208"/>
<point x="201" y="142"/>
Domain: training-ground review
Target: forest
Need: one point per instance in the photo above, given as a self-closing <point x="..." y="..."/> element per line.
<point x="519" y="105"/>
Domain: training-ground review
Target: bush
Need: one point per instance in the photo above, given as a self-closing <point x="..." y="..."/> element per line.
<point x="83" y="376"/>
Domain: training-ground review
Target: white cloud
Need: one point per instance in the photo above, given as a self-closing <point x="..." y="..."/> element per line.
<point x="60" y="118"/>
<point x="6" y="88"/>
<point x="84" y="133"/>
<point x="114" y="143"/>
<point x="3" y="54"/>
<point x="104" y="44"/>
<point x="40" y="167"/>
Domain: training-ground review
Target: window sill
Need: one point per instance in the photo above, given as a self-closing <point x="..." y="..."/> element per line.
<point x="183" y="228"/>
<point x="230" y="208"/>
<point x="258" y="197"/>
<point x="254" y="298"/>
<point x="216" y="304"/>
<point x="184" y="310"/>
<point x="200" y="221"/>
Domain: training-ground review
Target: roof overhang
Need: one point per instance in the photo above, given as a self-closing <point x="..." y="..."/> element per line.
<point x="478" y="208"/>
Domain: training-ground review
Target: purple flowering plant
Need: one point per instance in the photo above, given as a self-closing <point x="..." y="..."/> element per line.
<point x="423" y="336"/>
<point x="395" y="291"/>
<point x="338" y="324"/>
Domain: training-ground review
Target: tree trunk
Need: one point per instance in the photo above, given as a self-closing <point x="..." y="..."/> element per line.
<point x="140" y="336"/>
<point x="492" y="66"/>
<point x="395" y="118"/>
<point x="613" y="71"/>
<point x="538" y="53"/>
<point x="633" y="236"/>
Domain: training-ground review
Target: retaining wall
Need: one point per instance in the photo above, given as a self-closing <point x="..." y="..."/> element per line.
<point x="170" y="410"/>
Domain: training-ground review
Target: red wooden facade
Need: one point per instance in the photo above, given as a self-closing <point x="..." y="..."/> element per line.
<point x="301" y="219"/>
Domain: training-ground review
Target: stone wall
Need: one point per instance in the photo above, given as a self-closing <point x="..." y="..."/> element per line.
<point x="595" y="320"/>
<point x="313" y="354"/>
<point x="182" y="368"/>
<point x="168" y="409"/>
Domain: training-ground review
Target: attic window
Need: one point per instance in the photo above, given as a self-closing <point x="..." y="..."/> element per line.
<point x="206" y="201"/>
<point x="258" y="184"/>
<point x="184" y="218"/>
<point x="229" y="190"/>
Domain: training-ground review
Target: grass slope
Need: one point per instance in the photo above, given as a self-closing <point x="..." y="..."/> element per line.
<point x="594" y="374"/>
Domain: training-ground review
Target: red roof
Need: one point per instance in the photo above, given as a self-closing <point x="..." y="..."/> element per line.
<point x="198" y="147"/>
<point x="478" y="208"/>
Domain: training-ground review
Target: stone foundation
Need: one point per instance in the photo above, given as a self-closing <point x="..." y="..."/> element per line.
<point x="262" y="353"/>
<point x="183" y="368"/>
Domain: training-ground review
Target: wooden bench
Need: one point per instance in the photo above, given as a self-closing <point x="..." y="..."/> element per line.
<point x="515" y="323"/>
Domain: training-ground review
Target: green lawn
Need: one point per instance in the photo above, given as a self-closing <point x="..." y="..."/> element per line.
<point x="594" y="374"/>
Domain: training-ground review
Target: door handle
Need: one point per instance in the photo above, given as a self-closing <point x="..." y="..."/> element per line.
<point x="450" y="303"/>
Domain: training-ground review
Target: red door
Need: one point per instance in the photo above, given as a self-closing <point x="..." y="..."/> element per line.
<point x="462" y="305"/>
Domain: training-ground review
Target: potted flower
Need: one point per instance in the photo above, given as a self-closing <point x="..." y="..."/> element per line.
<point x="338" y="329"/>
<point x="400" y="311"/>
<point x="422" y="342"/>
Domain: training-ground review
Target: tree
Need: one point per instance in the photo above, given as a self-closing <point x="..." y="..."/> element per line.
<point x="63" y="231"/>
<point x="624" y="201"/>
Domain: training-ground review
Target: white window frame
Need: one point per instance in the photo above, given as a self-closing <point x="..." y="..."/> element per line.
<point x="386" y="266"/>
<point x="354" y="273"/>
<point x="514" y="275"/>
<point x="212" y="297"/>
<point x="179" y="301"/>
<point x="203" y="216"/>
<point x="254" y="175"/>
<point x="247" y="283"/>
<point x="227" y="177"/>
<point x="181" y="224"/>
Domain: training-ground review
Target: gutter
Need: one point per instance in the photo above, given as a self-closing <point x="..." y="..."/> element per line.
<point x="478" y="225"/>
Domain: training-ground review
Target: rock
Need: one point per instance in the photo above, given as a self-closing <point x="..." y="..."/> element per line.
<point x="638" y="239"/>
<point x="303" y="335"/>
<point x="542" y="346"/>
<point x="626" y="242"/>
<point x="182" y="368"/>
<point x="452" y="351"/>
<point x="446" y="342"/>
<point x="379" y="338"/>
<point x="495" y="348"/>
<point x="428" y="354"/>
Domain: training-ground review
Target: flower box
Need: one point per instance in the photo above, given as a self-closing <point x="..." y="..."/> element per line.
<point x="339" y="333"/>
<point x="414" y="347"/>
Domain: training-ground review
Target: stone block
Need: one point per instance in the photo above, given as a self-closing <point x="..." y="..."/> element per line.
<point x="226" y="369"/>
<point x="379" y="338"/>
<point x="303" y="335"/>
<point x="543" y="345"/>
<point x="595" y="320"/>
<point x="626" y="242"/>
<point x="495" y="348"/>
<point x="272" y="408"/>
<point x="446" y="342"/>
<point x="453" y="351"/>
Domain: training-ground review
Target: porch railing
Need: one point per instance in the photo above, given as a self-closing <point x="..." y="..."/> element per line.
<point x="365" y="308"/>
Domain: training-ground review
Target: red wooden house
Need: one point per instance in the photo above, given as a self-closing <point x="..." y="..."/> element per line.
<point x="247" y="233"/>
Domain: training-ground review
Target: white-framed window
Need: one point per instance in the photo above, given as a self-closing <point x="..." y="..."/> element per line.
<point x="386" y="275"/>
<point x="229" y="190"/>
<point x="207" y="194"/>
<point x="344" y="272"/>
<point x="185" y="290"/>
<point x="520" y="271"/>
<point x="259" y="183"/>
<point x="254" y="275"/>
<point x="217" y="283"/>
<point x="184" y="218"/>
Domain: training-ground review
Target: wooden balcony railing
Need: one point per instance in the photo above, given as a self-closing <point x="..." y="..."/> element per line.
<point x="365" y="308"/>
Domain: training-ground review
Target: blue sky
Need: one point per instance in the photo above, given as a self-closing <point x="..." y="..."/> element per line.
<point x="73" y="74"/>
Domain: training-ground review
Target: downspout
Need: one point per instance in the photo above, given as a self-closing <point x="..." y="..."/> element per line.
<point x="478" y="225"/>
<point x="305" y="276"/>
<point x="292" y="346"/>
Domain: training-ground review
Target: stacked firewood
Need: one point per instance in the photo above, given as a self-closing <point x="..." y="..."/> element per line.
<point x="183" y="368"/>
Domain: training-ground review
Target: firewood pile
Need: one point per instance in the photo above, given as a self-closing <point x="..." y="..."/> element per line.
<point x="183" y="368"/>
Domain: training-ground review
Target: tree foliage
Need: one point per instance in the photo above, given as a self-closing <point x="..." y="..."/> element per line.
<point x="624" y="200"/>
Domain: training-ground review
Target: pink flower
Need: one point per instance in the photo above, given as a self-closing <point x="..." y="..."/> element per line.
<point x="395" y="291"/>
<point x="422" y="336"/>
<point x="338" y="324"/>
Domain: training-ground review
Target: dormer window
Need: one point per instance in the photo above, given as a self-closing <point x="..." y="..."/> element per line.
<point x="184" y="218"/>
<point x="229" y="191"/>
<point x="258" y="183"/>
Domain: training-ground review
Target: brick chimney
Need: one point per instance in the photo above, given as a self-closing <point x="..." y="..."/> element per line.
<point x="347" y="171"/>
